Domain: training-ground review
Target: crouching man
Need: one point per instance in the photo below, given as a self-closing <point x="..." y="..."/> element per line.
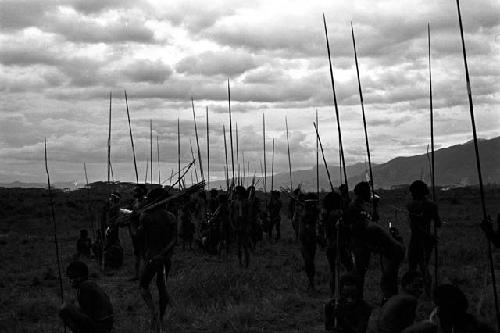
<point x="94" y="312"/>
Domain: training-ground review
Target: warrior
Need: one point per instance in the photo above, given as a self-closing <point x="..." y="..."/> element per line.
<point x="240" y="223"/>
<point x="421" y="212"/>
<point x="83" y="244"/>
<point x="307" y="235"/>
<point x="94" y="312"/>
<point x="292" y="208"/>
<point x="133" y="228"/>
<point x="336" y="234"/>
<point x="274" y="208"/>
<point x="367" y="237"/>
<point x="160" y="236"/>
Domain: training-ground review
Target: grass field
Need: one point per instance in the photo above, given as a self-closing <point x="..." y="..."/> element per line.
<point x="209" y="295"/>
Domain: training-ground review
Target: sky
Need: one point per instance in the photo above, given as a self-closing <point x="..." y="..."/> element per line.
<point x="60" y="59"/>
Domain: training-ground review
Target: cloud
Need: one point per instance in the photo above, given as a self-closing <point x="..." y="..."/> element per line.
<point x="227" y="63"/>
<point x="147" y="71"/>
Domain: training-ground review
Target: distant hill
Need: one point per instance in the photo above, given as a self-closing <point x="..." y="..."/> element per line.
<point x="455" y="166"/>
<point x="18" y="184"/>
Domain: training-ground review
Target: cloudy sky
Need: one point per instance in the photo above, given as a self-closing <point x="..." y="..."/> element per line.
<point x="59" y="59"/>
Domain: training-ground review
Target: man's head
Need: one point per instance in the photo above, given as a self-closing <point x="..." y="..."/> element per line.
<point x="362" y="191"/>
<point x="77" y="272"/>
<point x="140" y="191"/>
<point x="451" y="301"/>
<point x="418" y="189"/>
<point x="332" y="201"/>
<point x="350" y="289"/>
<point x="84" y="233"/>
<point x="413" y="283"/>
<point x="240" y="192"/>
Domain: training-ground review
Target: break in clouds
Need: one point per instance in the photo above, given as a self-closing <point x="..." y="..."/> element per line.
<point x="60" y="59"/>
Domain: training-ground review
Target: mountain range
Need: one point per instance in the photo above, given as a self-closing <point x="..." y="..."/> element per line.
<point x="455" y="167"/>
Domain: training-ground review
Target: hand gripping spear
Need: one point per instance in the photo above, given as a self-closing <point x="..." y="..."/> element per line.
<point x="335" y="101"/>
<point x="478" y="163"/>
<point x="53" y="214"/>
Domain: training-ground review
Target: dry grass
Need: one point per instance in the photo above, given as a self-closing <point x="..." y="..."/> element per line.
<point x="208" y="294"/>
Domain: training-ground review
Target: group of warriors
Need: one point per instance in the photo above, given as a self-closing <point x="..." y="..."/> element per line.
<point x="347" y="228"/>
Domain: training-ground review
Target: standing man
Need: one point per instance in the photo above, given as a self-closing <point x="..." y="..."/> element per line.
<point x="331" y="223"/>
<point x="292" y="211"/>
<point x="133" y="228"/>
<point x="160" y="236"/>
<point x="240" y="223"/>
<point x="367" y="237"/>
<point x="422" y="213"/>
<point x="94" y="312"/>
<point x="307" y="235"/>
<point x="275" y="214"/>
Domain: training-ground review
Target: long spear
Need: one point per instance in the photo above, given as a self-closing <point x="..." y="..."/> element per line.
<point x="272" y="170"/>
<point x="147" y="168"/>
<point x="323" y="154"/>
<point x="431" y="110"/>
<point x="179" y="152"/>
<point x="244" y="168"/>
<point x="335" y="101"/>
<point x="53" y="214"/>
<point x="288" y="150"/>
<point x="158" y="151"/>
<point x="225" y="151"/>
<point x="317" y="158"/>
<point x="208" y="152"/>
<point x="109" y="137"/>
<point x="200" y="160"/>
<point x="151" y="146"/>
<point x="230" y="125"/>
<point x="238" y="154"/>
<point x="264" y="144"/>
<point x="131" y="140"/>
<point x="363" y="111"/>
<point x="478" y="163"/>
<point x="91" y="222"/>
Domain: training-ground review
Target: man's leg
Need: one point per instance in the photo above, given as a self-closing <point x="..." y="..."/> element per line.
<point x="413" y="254"/>
<point x="147" y="275"/>
<point x="76" y="320"/>
<point x="330" y="255"/>
<point x="361" y="261"/>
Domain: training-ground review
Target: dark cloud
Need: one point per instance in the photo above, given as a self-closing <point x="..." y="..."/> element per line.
<point x="97" y="6"/>
<point x="229" y="63"/>
<point x="147" y="71"/>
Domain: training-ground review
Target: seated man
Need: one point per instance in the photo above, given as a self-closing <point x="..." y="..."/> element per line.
<point x="351" y="313"/>
<point x="399" y="311"/>
<point x="83" y="244"/>
<point x="94" y="312"/>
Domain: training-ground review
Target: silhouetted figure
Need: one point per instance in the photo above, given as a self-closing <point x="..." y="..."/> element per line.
<point x="256" y="232"/>
<point x="331" y="223"/>
<point x="84" y="244"/>
<point x="113" y="251"/>
<point x="274" y="215"/>
<point x="160" y="236"/>
<point x="94" y="312"/>
<point x="367" y="237"/>
<point x="350" y="313"/>
<point x="422" y="213"/>
<point x="187" y="226"/>
<point x="307" y="235"/>
<point x="399" y="311"/>
<point x="240" y="223"/>
<point x="292" y="209"/>
<point x="136" y="235"/>
<point x="223" y="218"/>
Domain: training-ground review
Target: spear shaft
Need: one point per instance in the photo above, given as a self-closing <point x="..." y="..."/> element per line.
<point x="131" y="140"/>
<point x="478" y="164"/>
<point x="225" y="151"/>
<point x="264" y="144"/>
<point x="53" y="215"/>
<point x="335" y="102"/>
<point x="272" y="170"/>
<point x="363" y="111"/>
<point x="433" y="182"/>
<point x="289" y="158"/>
<point x="230" y="125"/>
<point x="323" y="154"/>
<point x="200" y="161"/>
<point x="238" y="154"/>
<point x="208" y="151"/>
<point x="317" y="158"/>
<point x="109" y="138"/>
